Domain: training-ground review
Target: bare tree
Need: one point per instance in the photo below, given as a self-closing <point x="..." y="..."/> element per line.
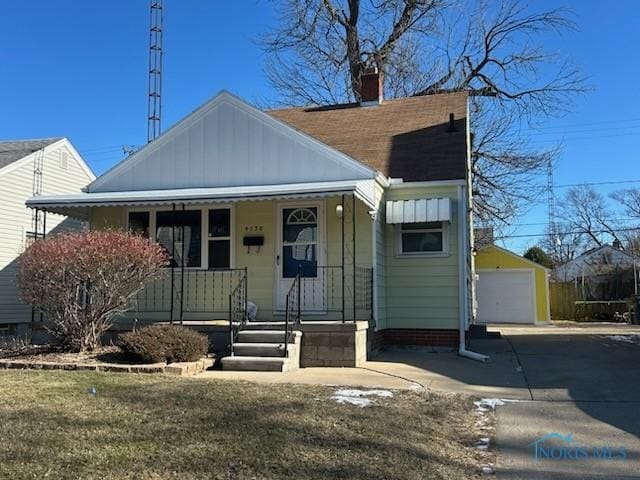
<point x="586" y="211"/>
<point x="564" y="245"/>
<point x="320" y="48"/>
<point x="629" y="199"/>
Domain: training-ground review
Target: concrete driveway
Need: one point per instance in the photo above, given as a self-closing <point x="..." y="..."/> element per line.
<point x="580" y="381"/>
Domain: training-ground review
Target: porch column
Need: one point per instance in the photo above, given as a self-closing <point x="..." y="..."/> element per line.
<point x="353" y="257"/>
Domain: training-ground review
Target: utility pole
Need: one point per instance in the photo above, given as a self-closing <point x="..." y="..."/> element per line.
<point x="155" y="69"/>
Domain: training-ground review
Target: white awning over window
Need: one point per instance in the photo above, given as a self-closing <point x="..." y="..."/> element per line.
<point x="421" y="210"/>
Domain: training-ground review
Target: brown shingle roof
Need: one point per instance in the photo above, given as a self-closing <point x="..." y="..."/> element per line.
<point x="405" y="138"/>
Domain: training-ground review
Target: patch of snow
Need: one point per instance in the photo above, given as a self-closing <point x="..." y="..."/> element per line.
<point x="487" y="404"/>
<point x="359" y="397"/>
<point x="363" y="393"/>
<point x="357" y="401"/>
<point x="487" y="469"/>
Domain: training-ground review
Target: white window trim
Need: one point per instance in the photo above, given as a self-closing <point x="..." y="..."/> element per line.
<point x="207" y="238"/>
<point x="445" y="242"/>
<point x="204" y="225"/>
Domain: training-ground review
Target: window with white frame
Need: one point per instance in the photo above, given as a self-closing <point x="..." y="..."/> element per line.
<point x="219" y="238"/>
<point x="203" y="237"/>
<point x="422" y="238"/>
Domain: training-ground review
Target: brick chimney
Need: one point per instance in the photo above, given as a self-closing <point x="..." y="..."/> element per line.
<point x="371" y="88"/>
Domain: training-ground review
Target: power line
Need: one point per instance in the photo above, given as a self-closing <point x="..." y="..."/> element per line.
<point x="618" y="121"/>
<point x="576" y="232"/>
<point x="614" y="182"/>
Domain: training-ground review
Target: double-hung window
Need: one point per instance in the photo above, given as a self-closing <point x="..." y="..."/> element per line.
<point x="422" y="238"/>
<point x="219" y="238"/>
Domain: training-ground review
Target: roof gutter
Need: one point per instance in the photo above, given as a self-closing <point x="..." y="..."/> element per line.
<point x="463" y="278"/>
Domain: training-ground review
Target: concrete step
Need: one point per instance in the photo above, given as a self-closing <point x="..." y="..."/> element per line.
<point x="260" y="349"/>
<point x="264" y="336"/>
<point x="265" y="326"/>
<point x="256" y="364"/>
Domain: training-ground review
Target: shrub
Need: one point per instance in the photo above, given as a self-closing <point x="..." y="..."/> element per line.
<point x="82" y="280"/>
<point x="164" y="343"/>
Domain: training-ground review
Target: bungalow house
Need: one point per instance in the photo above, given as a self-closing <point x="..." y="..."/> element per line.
<point x="46" y="166"/>
<point x="349" y="224"/>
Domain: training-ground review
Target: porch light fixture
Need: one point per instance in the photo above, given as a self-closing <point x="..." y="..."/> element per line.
<point x="339" y="211"/>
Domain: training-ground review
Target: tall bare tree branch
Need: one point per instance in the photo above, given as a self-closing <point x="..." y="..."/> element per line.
<point x="491" y="49"/>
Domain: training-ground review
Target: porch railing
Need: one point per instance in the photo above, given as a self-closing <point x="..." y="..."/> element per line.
<point x="190" y="291"/>
<point x="237" y="310"/>
<point x="292" y="310"/>
<point x="363" y="296"/>
<point x="324" y="292"/>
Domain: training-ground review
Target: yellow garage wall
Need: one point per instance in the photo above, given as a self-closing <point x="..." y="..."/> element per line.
<point x="493" y="257"/>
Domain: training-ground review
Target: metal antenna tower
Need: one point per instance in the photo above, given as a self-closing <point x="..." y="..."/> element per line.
<point x="155" y="69"/>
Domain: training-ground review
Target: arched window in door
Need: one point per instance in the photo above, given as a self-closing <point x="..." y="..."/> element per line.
<point x="299" y="241"/>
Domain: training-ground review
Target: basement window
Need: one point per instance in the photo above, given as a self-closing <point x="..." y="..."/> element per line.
<point x="423" y="238"/>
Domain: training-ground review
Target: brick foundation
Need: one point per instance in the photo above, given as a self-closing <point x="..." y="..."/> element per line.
<point x="414" y="337"/>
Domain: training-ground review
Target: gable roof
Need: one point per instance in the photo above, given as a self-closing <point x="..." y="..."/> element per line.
<point x="509" y="253"/>
<point x="13" y="150"/>
<point x="405" y="138"/>
<point x="226" y="143"/>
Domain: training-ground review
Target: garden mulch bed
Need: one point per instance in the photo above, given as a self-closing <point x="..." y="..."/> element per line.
<point x="105" y="359"/>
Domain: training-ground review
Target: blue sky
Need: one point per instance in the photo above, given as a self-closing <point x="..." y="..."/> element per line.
<point x="79" y="69"/>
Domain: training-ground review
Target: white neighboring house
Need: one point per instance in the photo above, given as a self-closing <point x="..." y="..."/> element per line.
<point x="62" y="170"/>
<point x="597" y="261"/>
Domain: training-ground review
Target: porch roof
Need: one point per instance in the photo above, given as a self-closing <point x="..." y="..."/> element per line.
<point x="78" y="205"/>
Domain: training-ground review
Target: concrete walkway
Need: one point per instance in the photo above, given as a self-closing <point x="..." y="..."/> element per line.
<point x="410" y="369"/>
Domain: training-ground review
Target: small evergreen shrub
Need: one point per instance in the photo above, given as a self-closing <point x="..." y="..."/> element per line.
<point x="164" y="343"/>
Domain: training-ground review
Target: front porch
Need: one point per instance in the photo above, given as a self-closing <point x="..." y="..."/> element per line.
<point x="278" y="277"/>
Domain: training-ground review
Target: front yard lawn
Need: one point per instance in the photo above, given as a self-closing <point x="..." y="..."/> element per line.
<point x="158" y="427"/>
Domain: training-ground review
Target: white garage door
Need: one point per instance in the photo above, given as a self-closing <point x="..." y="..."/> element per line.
<point x="506" y="296"/>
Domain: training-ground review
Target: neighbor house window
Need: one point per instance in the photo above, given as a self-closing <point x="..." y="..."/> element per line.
<point x="139" y="223"/>
<point x="186" y="225"/>
<point x="422" y="238"/>
<point x="219" y="238"/>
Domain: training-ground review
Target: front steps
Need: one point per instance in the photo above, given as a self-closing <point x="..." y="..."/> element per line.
<point x="259" y="347"/>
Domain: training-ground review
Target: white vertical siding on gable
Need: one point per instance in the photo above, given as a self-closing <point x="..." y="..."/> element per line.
<point x="15" y="220"/>
<point x="229" y="143"/>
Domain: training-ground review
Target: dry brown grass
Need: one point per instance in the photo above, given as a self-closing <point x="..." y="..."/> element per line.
<point x="157" y="427"/>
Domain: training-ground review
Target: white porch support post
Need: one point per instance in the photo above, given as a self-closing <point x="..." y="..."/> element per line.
<point x="463" y="277"/>
<point x="374" y="270"/>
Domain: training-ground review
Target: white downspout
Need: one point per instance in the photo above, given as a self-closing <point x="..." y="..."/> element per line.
<point x="463" y="278"/>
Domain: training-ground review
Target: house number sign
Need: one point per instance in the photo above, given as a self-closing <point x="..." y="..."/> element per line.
<point x="253" y="228"/>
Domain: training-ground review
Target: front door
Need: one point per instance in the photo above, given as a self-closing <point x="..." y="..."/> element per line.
<point x="301" y="250"/>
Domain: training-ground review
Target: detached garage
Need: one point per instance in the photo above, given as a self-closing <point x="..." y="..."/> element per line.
<point x="510" y="288"/>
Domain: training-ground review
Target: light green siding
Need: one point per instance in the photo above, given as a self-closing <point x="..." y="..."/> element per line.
<point x="421" y="292"/>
